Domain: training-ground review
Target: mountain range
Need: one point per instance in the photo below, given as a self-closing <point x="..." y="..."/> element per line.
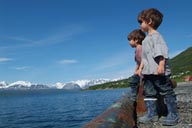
<point x="79" y="84"/>
<point x="180" y="65"/>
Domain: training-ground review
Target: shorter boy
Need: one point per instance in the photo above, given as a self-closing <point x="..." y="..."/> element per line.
<point x="135" y="40"/>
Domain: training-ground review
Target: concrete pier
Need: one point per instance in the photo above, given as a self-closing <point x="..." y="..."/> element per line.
<point x="122" y="113"/>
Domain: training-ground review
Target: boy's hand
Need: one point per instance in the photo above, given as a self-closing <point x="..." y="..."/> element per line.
<point x="161" y="66"/>
<point x="137" y="72"/>
<point x="140" y="69"/>
<point x="160" y="70"/>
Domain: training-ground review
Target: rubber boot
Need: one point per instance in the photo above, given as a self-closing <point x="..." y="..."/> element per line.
<point x="134" y="84"/>
<point x="161" y="106"/>
<point x="151" y="115"/>
<point x="173" y="115"/>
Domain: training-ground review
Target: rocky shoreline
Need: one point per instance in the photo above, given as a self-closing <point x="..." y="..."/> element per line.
<point x="122" y="113"/>
<point x="184" y="99"/>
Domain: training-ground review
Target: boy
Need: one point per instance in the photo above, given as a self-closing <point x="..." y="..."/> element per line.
<point x="135" y="40"/>
<point x="155" y="69"/>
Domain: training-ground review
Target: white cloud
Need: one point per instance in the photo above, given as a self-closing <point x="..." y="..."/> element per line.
<point x="120" y="64"/>
<point x="20" y="39"/>
<point x="118" y="59"/>
<point x="22" y="68"/>
<point x="62" y="34"/>
<point x="68" y="61"/>
<point x="21" y="42"/>
<point x="4" y="59"/>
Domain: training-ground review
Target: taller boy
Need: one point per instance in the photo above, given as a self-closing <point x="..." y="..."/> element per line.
<point x="155" y="69"/>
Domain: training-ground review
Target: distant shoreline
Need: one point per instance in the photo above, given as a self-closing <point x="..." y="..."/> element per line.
<point x="185" y="83"/>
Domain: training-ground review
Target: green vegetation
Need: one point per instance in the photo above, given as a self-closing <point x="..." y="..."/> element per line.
<point x="180" y="78"/>
<point x="181" y="66"/>
<point x="110" y="85"/>
<point x="182" y="62"/>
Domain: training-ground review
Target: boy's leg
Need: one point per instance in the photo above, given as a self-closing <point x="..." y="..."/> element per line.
<point x="165" y="88"/>
<point x="150" y="101"/>
<point x="161" y="106"/>
<point x="134" y="84"/>
<point x="173" y="115"/>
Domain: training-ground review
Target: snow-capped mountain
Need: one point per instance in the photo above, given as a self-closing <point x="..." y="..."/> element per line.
<point x="86" y="83"/>
<point x="79" y="84"/>
<point x="3" y="84"/>
<point x="71" y="86"/>
<point x="59" y="85"/>
<point x="39" y="86"/>
<point x="119" y="78"/>
<point x="82" y="83"/>
<point x="22" y="85"/>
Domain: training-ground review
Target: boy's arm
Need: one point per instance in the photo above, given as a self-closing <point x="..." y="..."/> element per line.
<point x="136" y="70"/>
<point x="161" y="66"/>
<point x="140" y="68"/>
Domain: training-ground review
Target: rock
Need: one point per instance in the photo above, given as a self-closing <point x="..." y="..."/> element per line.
<point x="184" y="103"/>
<point x="122" y="115"/>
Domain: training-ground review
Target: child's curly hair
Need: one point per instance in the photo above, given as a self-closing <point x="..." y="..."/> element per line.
<point x="136" y="34"/>
<point x="151" y="15"/>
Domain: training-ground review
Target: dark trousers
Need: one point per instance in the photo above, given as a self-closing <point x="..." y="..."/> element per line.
<point x="134" y="84"/>
<point x="159" y="87"/>
<point x="155" y="85"/>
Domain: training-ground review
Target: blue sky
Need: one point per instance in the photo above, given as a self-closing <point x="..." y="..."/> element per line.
<point x="49" y="41"/>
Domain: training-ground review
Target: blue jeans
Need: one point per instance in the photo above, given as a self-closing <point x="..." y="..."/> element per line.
<point x="134" y="84"/>
<point x="157" y="85"/>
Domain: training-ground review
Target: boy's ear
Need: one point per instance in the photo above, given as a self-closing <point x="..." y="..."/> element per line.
<point x="136" y="41"/>
<point x="150" y="21"/>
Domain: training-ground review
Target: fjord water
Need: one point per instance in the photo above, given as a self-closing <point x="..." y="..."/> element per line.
<point x="53" y="108"/>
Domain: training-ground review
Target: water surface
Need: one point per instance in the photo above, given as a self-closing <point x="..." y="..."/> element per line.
<point x="53" y="108"/>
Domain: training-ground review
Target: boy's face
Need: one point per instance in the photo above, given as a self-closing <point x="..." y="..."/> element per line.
<point x="133" y="43"/>
<point x="144" y="26"/>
